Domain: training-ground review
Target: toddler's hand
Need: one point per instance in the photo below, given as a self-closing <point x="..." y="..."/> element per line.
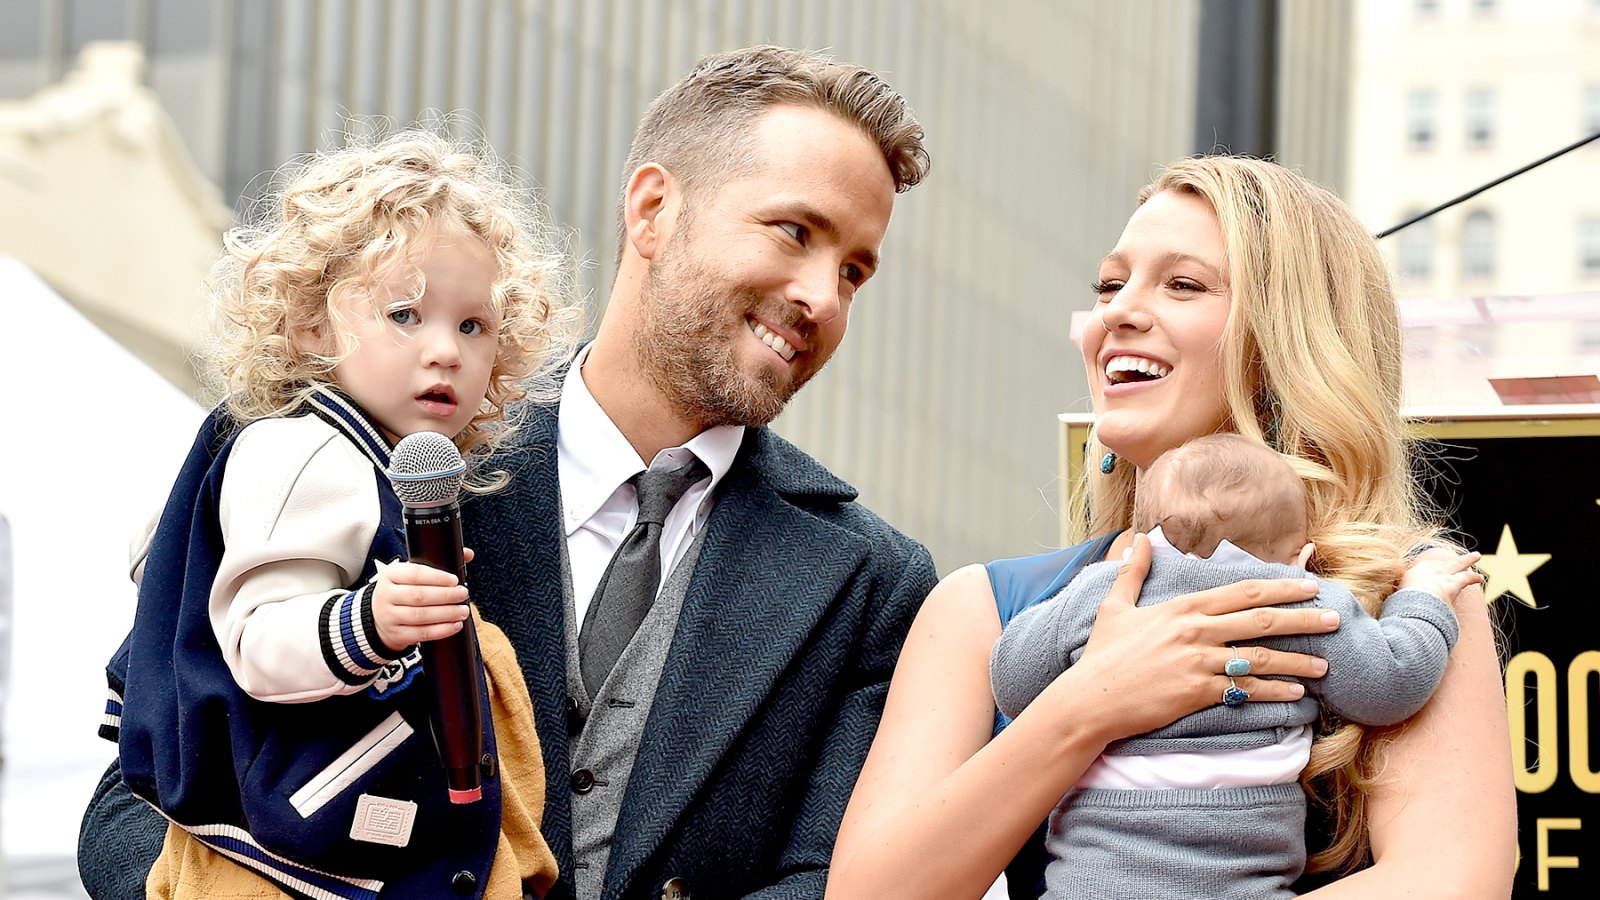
<point x="1443" y="576"/>
<point x="412" y="603"/>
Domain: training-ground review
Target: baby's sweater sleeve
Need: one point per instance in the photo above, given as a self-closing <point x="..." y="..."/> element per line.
<point x="1382" y="670"/>
<point x="1040" y="643"/>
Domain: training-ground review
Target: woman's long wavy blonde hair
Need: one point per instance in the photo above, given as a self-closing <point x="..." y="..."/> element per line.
<point x="1311" y="366"/>
<point x="337" y="225"/>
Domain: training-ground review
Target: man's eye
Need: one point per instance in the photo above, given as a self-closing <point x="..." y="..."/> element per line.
<point x="407" y="316"/>
<point x="852" y="273"/>
<point x="796" y="231"/>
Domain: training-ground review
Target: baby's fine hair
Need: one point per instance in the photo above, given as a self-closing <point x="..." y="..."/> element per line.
<point x="1221" y="486"/>
<point x="338" y="223"/>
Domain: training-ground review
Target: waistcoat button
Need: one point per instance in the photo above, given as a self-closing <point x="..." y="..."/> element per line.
<point x="583" y="781"/>
<point x="675" y="889"/>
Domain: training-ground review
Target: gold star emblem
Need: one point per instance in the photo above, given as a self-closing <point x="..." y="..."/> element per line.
<point x="1506" y="571"/>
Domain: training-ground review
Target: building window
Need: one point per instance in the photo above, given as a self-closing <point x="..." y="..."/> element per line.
<point x="1416" y="249"/>
<point x="1425" y="9"/>
<point x="1421" y="109"/>
<point x="1480" y="117"/>
<point x="1589" y="247"/>
<point x="1591" y="108"/>
<point x="1483" y="7"/>
<point x="1477" y="246"/>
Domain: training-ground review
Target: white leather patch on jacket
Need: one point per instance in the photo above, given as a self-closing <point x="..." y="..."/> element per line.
<point x="381" y="820"/>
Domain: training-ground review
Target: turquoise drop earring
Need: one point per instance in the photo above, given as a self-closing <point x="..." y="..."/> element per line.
<point x="1107" y="463"/>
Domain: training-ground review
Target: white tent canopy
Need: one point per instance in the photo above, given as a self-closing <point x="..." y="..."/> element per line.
<point x="88" y="451"/>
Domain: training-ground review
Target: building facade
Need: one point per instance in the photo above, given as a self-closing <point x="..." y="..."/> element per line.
<point x="1044" y="118"/>
<point x="1449" y="95"/>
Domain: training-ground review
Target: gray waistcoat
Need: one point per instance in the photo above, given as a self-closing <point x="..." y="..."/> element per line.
<point x="603" y="752"/>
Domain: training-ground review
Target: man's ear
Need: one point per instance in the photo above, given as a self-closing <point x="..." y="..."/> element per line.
<point x="649" y="205"/>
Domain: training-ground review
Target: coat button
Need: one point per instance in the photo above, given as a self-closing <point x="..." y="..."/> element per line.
<point x="487" y="766"/>
<point x="675" y="889"/>
<point x="464" y="882"/>
<point x="574" y="719"/>
<point x="583" y="781"/>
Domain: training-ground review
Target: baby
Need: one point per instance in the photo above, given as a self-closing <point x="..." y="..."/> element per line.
<point x="1211" y="805"/>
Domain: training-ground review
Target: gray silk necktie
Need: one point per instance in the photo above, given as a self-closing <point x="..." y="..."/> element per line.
<point x="628" y="587"/>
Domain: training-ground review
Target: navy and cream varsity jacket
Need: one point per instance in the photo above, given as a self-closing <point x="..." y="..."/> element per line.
<point x="310" y="764"/>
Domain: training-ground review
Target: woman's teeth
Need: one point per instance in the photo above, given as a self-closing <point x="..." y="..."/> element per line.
<point x="1120" y="369"/>
<point x="773" y="341"/>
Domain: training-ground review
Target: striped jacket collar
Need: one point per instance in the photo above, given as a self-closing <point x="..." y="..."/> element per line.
<point x="337" y="409"/>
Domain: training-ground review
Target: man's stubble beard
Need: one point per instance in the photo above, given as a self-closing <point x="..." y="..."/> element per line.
<point x="686" y="342"/>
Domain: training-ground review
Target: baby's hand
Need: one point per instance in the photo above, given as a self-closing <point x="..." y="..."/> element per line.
<point x="412" y="603"/>
<point x="1443" y="576"/>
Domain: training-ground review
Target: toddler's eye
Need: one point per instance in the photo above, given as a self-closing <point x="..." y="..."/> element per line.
<point x="407" y="316"/>
<point x="471" y="327"/>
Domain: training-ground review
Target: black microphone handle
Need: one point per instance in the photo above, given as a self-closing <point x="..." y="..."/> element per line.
<point x="450" y="665"/>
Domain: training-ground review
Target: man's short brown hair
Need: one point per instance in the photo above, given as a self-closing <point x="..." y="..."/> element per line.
<point x="696" y="129"/>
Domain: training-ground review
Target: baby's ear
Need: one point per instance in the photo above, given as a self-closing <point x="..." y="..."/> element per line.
<point x="1306" y="553"/>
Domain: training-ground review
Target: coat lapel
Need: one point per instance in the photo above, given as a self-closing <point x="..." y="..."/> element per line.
<point x="766" y="574"/>
<point x="516" y="583"/>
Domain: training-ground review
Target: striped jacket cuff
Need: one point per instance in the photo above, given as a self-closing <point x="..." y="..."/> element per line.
<point x="350" y="643"/>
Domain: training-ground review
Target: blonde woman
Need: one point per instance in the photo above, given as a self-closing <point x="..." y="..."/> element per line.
<point x="1241" y="298"/>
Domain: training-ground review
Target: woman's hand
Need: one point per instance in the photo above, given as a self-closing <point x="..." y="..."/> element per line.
<point x="1149" y="666"/>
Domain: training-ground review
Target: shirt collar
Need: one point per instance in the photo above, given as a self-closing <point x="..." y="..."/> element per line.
<point x="594" y="458"/>
<point x="1227" y="553"/>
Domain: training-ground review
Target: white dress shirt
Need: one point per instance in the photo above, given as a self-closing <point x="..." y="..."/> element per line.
<point x="594" y="462"/>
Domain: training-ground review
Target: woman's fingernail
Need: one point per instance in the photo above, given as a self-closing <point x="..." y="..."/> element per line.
<point x="1329" y="617"/>
<point x="1126" y="552"/>
<point x="1307" y="584"/>
<point x="1297" y="690"/>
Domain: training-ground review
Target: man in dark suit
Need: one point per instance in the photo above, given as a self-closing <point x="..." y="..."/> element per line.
<point x="709" y="752"/>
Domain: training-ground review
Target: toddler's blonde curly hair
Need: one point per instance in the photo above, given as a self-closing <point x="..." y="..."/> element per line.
<point x="339" y="224"/>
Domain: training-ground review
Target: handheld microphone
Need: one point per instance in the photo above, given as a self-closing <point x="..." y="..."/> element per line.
<point x="425" y="470"/>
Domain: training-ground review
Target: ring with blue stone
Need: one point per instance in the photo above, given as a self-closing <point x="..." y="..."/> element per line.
<point x="1236" y="668"/>
<point x="1234" y="695"/>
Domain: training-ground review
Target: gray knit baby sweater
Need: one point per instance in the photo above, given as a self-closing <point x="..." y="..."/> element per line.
<point x="1229" y="843"/>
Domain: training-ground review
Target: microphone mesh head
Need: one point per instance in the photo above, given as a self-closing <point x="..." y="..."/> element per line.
<point x="426" y="469"/>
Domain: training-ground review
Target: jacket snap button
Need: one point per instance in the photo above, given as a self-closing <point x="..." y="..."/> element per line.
<point x="487" y="766"/>
<point x="464" y="882"/>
